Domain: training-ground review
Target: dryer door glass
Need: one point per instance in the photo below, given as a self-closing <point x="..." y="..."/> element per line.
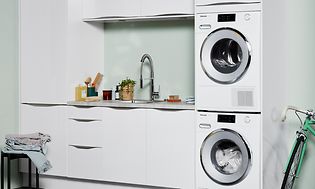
<point x="225" y="157"/>
<point x="225" y="55"/>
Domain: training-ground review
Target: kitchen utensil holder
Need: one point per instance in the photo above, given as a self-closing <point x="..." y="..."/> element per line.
<point x="91" y="92"/>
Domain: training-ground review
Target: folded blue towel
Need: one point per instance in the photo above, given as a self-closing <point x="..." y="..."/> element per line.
<point x="33" y="145"/>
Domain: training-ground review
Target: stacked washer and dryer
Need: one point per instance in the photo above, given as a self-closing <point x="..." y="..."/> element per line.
<point x="237" y="132"/>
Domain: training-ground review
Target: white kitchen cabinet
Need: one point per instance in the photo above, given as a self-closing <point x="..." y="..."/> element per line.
<point x="85" y="48"/>
<point x="43" y="51"/>
<point x="170" y="148"/>
<point x="86" y="132"/>
<point x="48" y="120"/>
<point x="85" y="113"/>
<point x="166" y="7"/>
<point x="85" y="135"/>
<point x="57" y="50"/>
<point x="114" y="9"/>
<point x="124" y="145"/>
<point x="111" y="8"/>
<point x="85" y="162"/>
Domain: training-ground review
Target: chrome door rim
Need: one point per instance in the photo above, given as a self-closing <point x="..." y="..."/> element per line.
<point x="205" y="57"/>
<point x="206" y="160"/>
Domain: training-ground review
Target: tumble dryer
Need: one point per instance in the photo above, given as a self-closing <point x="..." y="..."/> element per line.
<point x="228" y="58"/>
<point x="228" y="151"/>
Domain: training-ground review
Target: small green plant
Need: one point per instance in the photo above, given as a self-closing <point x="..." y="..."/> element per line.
<point x="127" y="82"/>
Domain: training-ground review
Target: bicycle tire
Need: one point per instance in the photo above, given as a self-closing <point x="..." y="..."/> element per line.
<point x="290" y="173"/>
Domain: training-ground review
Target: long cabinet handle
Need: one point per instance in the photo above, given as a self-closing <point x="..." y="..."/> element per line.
<point x="43" y="104"/>
<point x="84" y="147"/>
<point x="84" y="120"/>
<point x="226" y="3"/>
<point x="171" y="14"/>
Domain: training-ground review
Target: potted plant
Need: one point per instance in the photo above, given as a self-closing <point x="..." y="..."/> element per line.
<point x="126" y="89"/>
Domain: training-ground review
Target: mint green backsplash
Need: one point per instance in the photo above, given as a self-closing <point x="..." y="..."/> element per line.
<point x="9" y="73"/>
<point x="171" y="45"/>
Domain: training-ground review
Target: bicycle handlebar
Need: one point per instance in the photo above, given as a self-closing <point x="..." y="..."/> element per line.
<point x="306" y="112"/>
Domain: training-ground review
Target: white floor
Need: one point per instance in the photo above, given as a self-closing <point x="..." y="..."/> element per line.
<point x="65" y="183"/>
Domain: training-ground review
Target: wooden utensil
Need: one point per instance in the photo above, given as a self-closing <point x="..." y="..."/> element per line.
<point x="97" y="80"/>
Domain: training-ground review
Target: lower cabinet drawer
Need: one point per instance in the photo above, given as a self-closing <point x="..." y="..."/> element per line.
<point x="85" y="132"/>
<point x="85" y="162"/>
<point x="85" y="112"/>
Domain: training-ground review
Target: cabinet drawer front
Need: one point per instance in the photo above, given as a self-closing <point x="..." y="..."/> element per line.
<point x="85" y="162"/>
<point x="85" y="132"/>
<point x="88" y="113"/>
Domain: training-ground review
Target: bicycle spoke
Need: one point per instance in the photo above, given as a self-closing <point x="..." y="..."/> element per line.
<point x="292" y="168"/>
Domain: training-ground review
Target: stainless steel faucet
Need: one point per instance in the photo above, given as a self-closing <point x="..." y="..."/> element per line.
<point x="153" y="94"/>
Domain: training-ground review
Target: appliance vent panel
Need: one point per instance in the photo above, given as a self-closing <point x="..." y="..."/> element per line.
<point x="245" y="98"/>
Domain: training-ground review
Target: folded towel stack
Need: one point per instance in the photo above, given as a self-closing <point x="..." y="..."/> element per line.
<point x="28" y="142"/>
<point x="33" y="145"/>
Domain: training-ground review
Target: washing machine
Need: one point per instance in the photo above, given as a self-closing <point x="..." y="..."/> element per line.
<point x="228" y="151"/>
<point x="228" y="58"/>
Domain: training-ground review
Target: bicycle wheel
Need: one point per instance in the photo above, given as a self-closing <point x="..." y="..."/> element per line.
<point x="290" y="173"/>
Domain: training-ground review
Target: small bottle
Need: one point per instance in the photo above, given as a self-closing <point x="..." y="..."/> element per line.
<point x="117" y="92"/>
<point x="80" y="93"/>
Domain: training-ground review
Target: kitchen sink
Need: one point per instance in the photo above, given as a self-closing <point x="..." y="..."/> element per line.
<point x="140" y="101"/>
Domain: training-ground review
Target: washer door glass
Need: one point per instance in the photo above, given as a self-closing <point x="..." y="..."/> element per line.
<point x="225" y="157"/>
<point x="225" y="55"/>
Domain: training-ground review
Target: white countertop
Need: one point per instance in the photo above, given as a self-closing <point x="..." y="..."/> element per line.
<point x="128" y="104"/>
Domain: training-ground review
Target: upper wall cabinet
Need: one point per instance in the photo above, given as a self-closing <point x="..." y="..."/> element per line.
<point x="166" y="7"/>
<point x="98" y="10"/>
<point x="85" y="47"/>
<point x="57" y="50"/>
<point x="42" y="51"/>
<point x="215" y="2"/>
<point x="111" y="8"/>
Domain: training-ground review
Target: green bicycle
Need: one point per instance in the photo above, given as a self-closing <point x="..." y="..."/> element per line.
<point x="294" y="163"/>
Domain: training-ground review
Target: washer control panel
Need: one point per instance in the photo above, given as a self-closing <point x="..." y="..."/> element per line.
<point x="247" y="119"/>
<point x="212" y="120"/>
<point x="225" y="118"/>
<point x="205" y="125"/>
<point x="205" y="26"/>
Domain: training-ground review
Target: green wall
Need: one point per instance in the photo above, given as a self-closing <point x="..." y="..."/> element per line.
<point x="300" y="27"/>
<point x="9" y="76"/>
<point x="171" y="45"/>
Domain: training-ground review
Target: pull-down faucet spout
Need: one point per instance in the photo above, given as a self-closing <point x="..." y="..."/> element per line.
<point x="150" y="61"/>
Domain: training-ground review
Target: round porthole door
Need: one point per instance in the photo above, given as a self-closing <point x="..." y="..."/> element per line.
<point x="225" y="55"/>
<point x="225" y="157"/>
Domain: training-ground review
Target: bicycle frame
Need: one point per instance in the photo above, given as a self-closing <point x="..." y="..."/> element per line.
<point x="307" y="128"/>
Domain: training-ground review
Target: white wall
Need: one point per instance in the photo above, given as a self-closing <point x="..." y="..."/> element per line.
<point x="9" y="73"/>
<point x="171" y="45"/>
<point x="289" y="33"/>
